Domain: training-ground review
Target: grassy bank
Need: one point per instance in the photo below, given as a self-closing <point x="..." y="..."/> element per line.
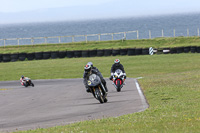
<point x="171" y="85"/>
<point x="142" y="43"/>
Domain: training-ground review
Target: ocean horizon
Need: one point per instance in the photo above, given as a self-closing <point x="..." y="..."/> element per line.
<point x="158" y="25"/>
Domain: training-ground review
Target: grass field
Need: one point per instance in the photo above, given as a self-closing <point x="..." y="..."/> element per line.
<point x="170" y="83"/>
<point x="142" y="43"/>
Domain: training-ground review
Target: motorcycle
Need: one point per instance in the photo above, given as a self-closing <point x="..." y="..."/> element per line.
<point x="97" y="88"/>
<point x="28" y="82"/>
<point x="118" y="79"/>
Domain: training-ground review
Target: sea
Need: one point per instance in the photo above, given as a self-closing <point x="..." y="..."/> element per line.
<point x="147" y="27"/>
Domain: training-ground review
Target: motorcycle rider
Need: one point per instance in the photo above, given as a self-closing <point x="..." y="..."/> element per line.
<point x="23" y="80"/>
<point x="115" y="66"/>
<point x="88" y="69"/>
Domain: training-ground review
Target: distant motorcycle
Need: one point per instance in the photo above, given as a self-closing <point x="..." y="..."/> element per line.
<point x="97" y="88"/>
<point x="118" y="79"/>
<point x="28" y="82"/>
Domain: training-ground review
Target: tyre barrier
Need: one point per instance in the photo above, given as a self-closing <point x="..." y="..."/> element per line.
<point x="115" y="52"/>
<point x="198" y="49"/>
<point x="186" y="49"/>
<point x="30" y="56"/>
<point x="6" y="58"/>
<point x="173" y="50"/>
<point x="180" y="50"/>
<point x="138" y="51"/>
<point x="46" y="55"/>
<point x="62" y="54"/>
<point x="93" y="53"/>
<point x="85" y="53"/>
<point x="54" y="55"/>
<point x="77" y="53"/>
<point x="100" y="52"/>
<point x="14" y="57"/>
<point x="131" y="51"/>
<point x="123" y="51"/>
<point x="70" y="54"/>
<point x="1" y="58"/>
<point x="39" y="55"/>
<point x="22" y="56"/>
<point x="107" y="52"/>
<point x="145" y="51"/>
<point x="193" y="49"/>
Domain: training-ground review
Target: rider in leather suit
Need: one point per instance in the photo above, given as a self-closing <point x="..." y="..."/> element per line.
<point x="89" y="68"/>
<point x="115" y="66"/>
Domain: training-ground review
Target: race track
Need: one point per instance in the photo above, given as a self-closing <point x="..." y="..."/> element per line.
<point x="62" y="101"/>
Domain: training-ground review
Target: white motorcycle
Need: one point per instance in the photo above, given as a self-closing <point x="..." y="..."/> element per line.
<point x="118" y="79"/>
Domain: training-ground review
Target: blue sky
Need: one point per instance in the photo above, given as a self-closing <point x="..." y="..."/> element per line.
<point x="20" y="11"/>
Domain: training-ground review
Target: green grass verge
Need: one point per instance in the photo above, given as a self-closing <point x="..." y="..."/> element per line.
<point x="142" y="43"/>
<point x="171" y="84"/>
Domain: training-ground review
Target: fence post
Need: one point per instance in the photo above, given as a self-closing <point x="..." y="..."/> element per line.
<point x="137" y="34"/>
<point x="149" y="34"/>
<point x="86" y="38"/>
<point x="162" y="33"/>
<point x="187" y="32"/>
<point x="45" y="40"/>
<point x="99" y="37"/>
<point x="32" y="40"/>
<point x="59" y="39"/>
<point x="72" y="39"/>
<point x="112" y="36"/>
<point x="174" y="33"/>
<point x="18" y="41"/>
<point x="4" y="43"/>
<point x="125" y="35"/>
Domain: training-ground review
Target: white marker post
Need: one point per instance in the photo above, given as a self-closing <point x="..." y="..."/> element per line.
<point x="151" y="51"/>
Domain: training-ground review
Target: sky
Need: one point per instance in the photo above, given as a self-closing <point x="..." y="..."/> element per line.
<point x="23" y="11"/>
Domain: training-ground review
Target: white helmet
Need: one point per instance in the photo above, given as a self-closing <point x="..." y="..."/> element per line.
<point x="87" y="68"/>
<point x="90" y="63"/>
<point x="117" y="61"/>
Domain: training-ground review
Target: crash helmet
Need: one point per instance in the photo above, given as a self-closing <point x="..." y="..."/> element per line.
<point x="22" y="76"/>
<point x="117" y="62"/>
<point x="90" y="63"/>
<point x="87" y="67"/>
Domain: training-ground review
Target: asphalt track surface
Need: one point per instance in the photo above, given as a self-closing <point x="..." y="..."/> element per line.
<point x="62" y="101"/>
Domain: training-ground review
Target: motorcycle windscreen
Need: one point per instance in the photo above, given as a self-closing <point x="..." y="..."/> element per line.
<point x="118" y="71"/>
<point x="94" y="80"/>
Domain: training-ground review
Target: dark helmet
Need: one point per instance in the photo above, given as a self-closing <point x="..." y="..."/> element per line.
<point x="87" y="68"/>
<point x="22" y="76"/>
<point x="90" y="63"/>
<point x="117" y="62"/>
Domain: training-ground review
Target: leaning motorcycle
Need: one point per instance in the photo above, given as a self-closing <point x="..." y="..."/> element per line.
<point x="118" y="79"/>
<point x="28" y="82"/>
<point x="97" y="88"/>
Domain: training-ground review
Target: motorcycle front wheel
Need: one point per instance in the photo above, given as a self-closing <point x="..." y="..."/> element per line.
<point x="118" y="86"/>
<point x="32" y="85"/>
<point x="99" y="95"/>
